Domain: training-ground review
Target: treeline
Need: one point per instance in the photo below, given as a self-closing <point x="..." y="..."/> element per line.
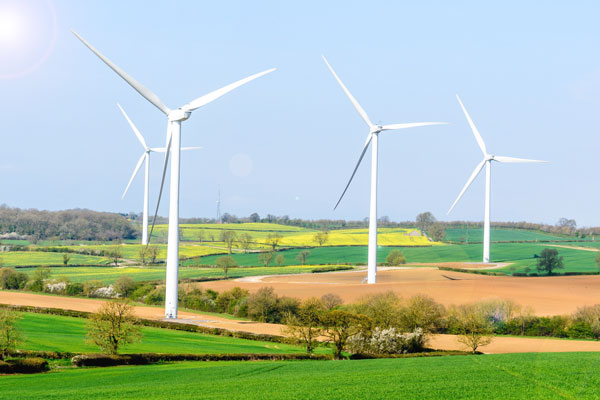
<point x="77" y="224"/>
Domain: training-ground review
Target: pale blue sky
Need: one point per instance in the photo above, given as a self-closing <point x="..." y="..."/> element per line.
<point x="528" y="72"/>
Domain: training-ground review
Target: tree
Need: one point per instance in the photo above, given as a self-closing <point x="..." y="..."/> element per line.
<point x="331" y="301"/>
<point x="549" y="261"/>
<point x="302" y="255"/>
<point x="437" y="232"/>
<point x="273" y="240"/>
<point x="254" y="217"/>
<point x="143" y="254"/>
<point x="265" y="257"/>
<point x="425" y="220"/>
<point x="9" y="336"/>
<point x="279" y="260"/>
<point x="421" y="311"/>
<point x="152" y="253"/>
<point x="473" y="324"/>
<point x="200" y="235"/>
<point x="226" y="262"/>
<point x="37" y="279"/>
<point x="567" y="226"/>
<point x="321" y="238"/>
<point x="229" y="237"/>
<point x="305" y="325"/>
<point x="382" y="308"/>
<point x="113" y="326"/>
<point x="66" y="259"/>
<point x="124" y="285"/>
<point x="245" y="241"/>
<point x="395" y="257"/>
<point x="340" y="325"/>
<point x="114" y="254"/>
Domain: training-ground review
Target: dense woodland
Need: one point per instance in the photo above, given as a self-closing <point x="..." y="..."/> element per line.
<point x="75" y="224"/>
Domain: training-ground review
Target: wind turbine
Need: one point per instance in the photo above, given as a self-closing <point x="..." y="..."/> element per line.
<point x="174" y="118"/>
<point x="144" y="158"/>
<point x="487" y="161"/>
<point x="372" y="137"/>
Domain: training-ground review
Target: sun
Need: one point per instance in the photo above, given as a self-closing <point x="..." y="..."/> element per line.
<point x="10" y="27"/>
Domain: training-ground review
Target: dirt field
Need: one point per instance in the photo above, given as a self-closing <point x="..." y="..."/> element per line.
<point x="445" y="342"/>
<point x="545" y="295"/>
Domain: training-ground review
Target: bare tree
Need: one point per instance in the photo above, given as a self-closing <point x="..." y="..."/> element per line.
<point x="305" y="325"/>
<point x="321" y="238"/>
<point x="273" y="239"/>
<point x="473" y="324"/>
<point x="265" y="257"/>
<point x="9" y="336"/>
<point x="245" y="241"/>
<point x="229" y="237"/>
<point x="226" y="262"/>
<point x="114" y="254"/>
<point x="280" y="259"/>
<point x="113" y="326"/>
<point x="302" y="255"/>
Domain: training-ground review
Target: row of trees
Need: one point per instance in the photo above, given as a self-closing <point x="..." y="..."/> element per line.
<point x="75" y="224"/>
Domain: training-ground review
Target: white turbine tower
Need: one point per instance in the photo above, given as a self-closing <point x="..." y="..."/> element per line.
<point x="174" y="117"/>
<point x="372" y="137"/>
<point x="487" y="161"/>
<point x="144" y="158"/>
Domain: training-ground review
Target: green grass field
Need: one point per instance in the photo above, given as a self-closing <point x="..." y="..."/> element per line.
<point x="506" y="376"/>
<point x="24" y="258"/>
<point x="45" y="332"/>
<point x="501" y="235"/>
<point x="521" y="254"/>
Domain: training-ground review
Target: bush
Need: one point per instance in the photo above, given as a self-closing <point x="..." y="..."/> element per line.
<point x="395" y="257"/>
<point x="124" y="285"/>
<point x="140" y="292"/>
<point x="11" y="279"/>
<point x="330" y="269"/>
<point x="156" y="297"/>
<point x="75" y="289"/>
<point x="23" y="366"/>
<point x="90" y="286"/>
<point x="229" y="300"/>
<point x="103" y="360"/>
<point x="382" y="308"/>
<point x="387" y="341"/>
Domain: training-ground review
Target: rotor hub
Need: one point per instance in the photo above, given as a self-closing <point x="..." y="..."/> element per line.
<point x="179" y="115"/>
<point x="376" y="129"/>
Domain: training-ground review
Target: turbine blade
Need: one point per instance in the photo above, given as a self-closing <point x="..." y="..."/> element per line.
<point x="158" y="149"/>
<point x="473" y="128"/>
<point x="207" y="98"/>
<point x="192" y="148"/>
<point x="162" y="181"/>
<point x="360" y="110"/>
<point x="516" y="160"/>
<point x="471" y="179"/>
<point x="410" y="125"/>
<point x="365" y="147"/>
<point x="147" y="94"/>
<point x="135" y="130"/>
<point x="135" y="171"/>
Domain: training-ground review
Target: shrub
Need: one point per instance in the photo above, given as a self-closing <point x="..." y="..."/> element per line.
<point x="421" y="312"/>
<point x="141" y="291"/>
<point x="155" y="297"/>
<point x="387" y="341"/>
<point x="590" y="315"/>
<point x="262" y="305"/>
<point x="228" y="300"/>
<point x="330" y="269"/>
<point x="331" y="301"/>
<point x="11" y="279"/>
<point x="124" y="285"/>
<point x="382" y="308"/>
<point x="91" y="286"/>
<point x="23" y="366"/>
<point x="74" y="289"/>
<point x="395" y="257"/>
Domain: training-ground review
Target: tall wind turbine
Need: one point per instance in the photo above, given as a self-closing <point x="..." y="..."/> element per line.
<point x="487" y="161"/>
<point x="372" y="137"/>
<point x="144" y="158"/>
<point x="174" y="118"/>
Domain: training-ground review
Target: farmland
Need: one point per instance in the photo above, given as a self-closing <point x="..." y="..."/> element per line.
<point x="69" y="335"/>
<point x="24" y="258"/>
<point x="506" y="376"/>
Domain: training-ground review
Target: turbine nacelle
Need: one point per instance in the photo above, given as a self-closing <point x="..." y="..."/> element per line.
<point x="375" y="129"/>
<point x="179" y="115"/>
<point x="490" y="157"/>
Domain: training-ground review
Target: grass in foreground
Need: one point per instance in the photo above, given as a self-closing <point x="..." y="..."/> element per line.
<point x="506" y="376"/>
<point x="45" y="332"/>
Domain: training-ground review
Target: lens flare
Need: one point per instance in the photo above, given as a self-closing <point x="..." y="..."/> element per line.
<point x="28" y="30"/>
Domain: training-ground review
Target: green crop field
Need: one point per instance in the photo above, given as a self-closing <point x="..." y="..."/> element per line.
<point x="45" y="332"/>
<point x="109" y="274"/>
<point x="505" y="376"/>
<point x="520" y="254"/>
<point x="502" y="235"/>
<point x="24" y="258"/>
